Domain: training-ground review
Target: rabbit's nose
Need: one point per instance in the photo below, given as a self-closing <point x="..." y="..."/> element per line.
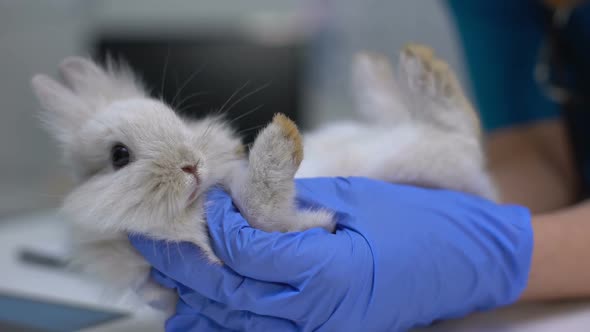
<point x="190" y="169"/>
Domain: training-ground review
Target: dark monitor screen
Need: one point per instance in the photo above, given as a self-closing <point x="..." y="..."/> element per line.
<point x="250" y="80"/>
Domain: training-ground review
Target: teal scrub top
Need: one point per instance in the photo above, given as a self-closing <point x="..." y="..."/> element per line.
<point x="501" y="41"/>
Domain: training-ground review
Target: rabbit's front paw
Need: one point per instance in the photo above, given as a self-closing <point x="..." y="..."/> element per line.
<point x="284" y="138"/>
<point x="277" y="152"/>
<point x="266" y="196"/>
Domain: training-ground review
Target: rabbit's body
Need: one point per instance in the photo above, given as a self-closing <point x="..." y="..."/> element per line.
<point x="373" y="150"/>
<point x="142" y="169"/>
<point x="417" y="128"/>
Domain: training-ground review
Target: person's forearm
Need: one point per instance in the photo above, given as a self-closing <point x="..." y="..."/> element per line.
<point x="532" y="166"/>
<point x="561" y="257"/>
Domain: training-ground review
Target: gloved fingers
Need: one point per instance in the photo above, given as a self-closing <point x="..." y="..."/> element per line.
<point x="185" y="268"/>
<point x="223" y="285"/>
<point x="292" y="304"/>
<point x="177" y="260"/>
<point x="288" y="258"/>
<point x="162" y="279"/>
<point x="196" y="307"/>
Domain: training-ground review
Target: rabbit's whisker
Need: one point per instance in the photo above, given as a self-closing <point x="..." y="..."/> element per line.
<point x="186" y="82"/>
<point x="247" y="95"/>
<point x="164" y="72"/>
<point x="220" y="111"/>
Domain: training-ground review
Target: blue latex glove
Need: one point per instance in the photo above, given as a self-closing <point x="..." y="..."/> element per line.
<point x="401" y="257"/>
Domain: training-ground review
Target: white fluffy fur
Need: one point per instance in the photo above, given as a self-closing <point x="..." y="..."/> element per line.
<point x="419" y="129"/>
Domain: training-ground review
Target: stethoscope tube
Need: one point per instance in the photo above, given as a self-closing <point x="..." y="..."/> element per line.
<point x="555" y="73"/>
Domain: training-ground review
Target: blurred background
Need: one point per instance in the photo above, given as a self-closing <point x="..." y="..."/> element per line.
<point x="272" y="55"/>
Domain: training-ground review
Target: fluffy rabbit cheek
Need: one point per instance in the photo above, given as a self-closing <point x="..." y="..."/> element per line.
<point x="130" y="200"/>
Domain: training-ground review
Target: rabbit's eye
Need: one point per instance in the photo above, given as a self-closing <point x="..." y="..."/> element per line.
<point x="120" y="156"/>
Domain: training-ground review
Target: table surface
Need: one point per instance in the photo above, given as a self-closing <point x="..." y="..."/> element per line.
<point x="45" y="232"/>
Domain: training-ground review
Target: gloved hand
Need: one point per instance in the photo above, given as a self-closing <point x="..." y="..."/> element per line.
<point x="401" y="257"/>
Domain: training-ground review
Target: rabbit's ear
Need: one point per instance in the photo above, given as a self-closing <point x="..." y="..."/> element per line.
<point x="64" y="111"/>
<point x="98" y="86"/>
<point x="81" y="75"/>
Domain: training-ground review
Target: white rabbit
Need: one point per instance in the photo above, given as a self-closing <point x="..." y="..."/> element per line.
<point x="143" y="169"/>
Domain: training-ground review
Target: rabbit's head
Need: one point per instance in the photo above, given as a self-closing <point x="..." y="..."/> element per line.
<point x="139" y="166"/>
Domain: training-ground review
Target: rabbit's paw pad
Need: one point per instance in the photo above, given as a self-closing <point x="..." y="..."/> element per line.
<point x="285" y="134"/>
<point x="428" y="73"/>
